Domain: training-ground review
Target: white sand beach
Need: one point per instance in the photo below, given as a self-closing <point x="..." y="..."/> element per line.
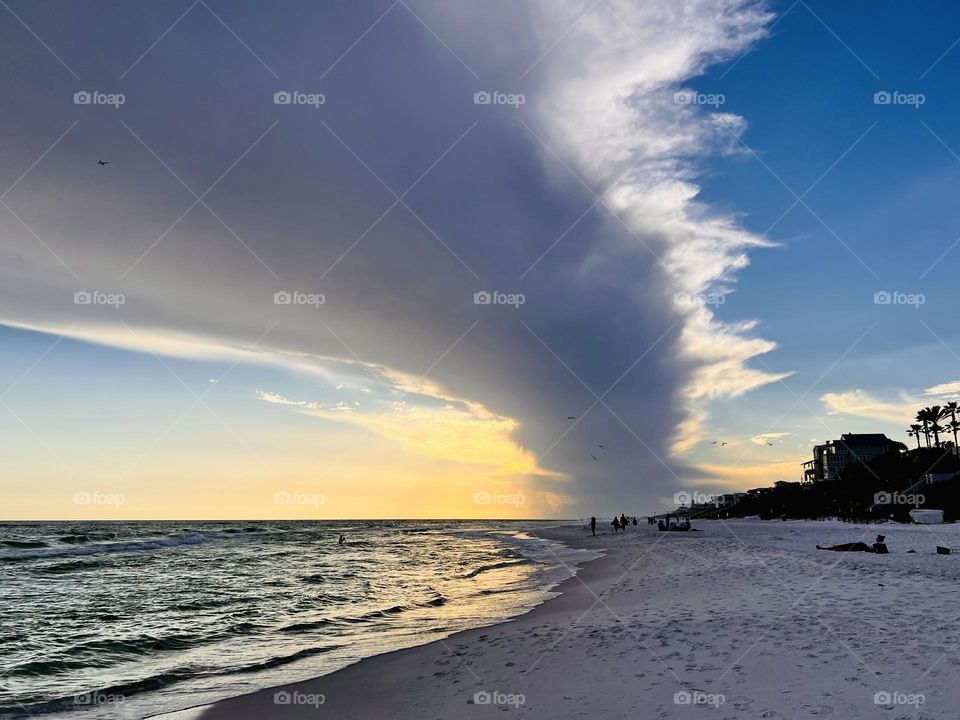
<point x="742" y="619"/>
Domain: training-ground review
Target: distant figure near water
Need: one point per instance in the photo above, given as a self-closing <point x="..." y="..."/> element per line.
<point x="342" y="540"/>
<point x="593" y="526"/>
<point x="615" y="523"/>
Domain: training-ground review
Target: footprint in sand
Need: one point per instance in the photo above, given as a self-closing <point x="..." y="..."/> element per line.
<point x="771" y="714"/>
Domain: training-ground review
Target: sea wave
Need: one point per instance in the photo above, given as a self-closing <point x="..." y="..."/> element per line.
<point x="495" y="566"/>
<point x="105" y="547"/>
<point x="245" y="598"/>
<point x="23" y="544"/>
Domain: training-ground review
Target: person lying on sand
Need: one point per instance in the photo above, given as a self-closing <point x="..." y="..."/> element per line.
<point x="879" y="546"/>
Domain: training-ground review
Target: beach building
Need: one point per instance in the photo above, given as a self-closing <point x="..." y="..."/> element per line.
<point x="834" y="455"/>
<point x="785" y="485"/>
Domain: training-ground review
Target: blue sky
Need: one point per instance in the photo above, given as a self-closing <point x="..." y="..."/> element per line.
<point x="601" y="199"/>
<point x="808" y="99"/>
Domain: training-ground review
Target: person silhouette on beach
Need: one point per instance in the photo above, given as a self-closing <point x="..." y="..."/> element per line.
<point x="623" y="522"/>
<point x="615" y="523"/>
<point x="879" y="547"/>
<point x="593" y="526"/>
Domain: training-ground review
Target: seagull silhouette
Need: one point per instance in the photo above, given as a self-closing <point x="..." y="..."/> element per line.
<point x="722" y="444"/>
<point x="571" y="417"/>
<point x="714" y="442"/>
<point x="770" y="444"/>
<point x="103" y="162"/>
<point x="601" y="447"/>
<point x="594" y="457"/>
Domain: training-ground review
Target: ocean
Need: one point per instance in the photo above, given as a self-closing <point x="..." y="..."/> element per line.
<point x="126" y="619"/>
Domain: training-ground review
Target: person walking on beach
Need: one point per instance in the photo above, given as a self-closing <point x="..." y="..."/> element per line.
<point x="593" y="525"/>
<point x="615" y="523"/>
<point x="623" y="522"/>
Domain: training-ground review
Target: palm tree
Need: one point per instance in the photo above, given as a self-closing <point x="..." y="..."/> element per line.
<point x="935" y="414"/>
<point x="951" y="409"/>
<point x="916" y="431"/>
<point x="923" y="417"/>
<point x="954" y="427"/>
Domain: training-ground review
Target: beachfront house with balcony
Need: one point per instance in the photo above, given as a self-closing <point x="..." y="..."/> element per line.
<point x="834" y="455"/>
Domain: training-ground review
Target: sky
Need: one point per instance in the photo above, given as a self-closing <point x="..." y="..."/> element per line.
<point x="444" y="259"/>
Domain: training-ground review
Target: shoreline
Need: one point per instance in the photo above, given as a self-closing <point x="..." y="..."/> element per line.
<point x="743" y="618"/>
<point x="371" y="672"/>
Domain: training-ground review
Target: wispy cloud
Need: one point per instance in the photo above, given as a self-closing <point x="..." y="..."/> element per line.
<point x="899" y="410"/>
<point x="467" y="434"/>
<point x="765" y="438"/>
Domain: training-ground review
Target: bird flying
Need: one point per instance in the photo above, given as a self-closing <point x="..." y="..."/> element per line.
<point x="601" y="447"/>
<point x="722" y="444"/>
<point x="571" y="417"/>
<point x="594" y="457"/>
<point x="103" y="162"/>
